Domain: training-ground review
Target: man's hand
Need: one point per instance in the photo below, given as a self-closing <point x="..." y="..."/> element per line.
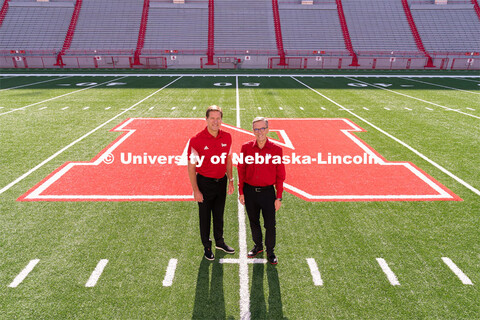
<point x="231" y="187"/>
<point x="198" y="196"/>
<point x="278" y="204"/>
<point x="241" y="198"/>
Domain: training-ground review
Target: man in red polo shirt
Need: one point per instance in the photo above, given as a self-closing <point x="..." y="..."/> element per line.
<point x="209" y="154"/>
<point x="256" y="183"/>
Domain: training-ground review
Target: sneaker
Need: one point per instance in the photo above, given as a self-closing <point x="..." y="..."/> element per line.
<point x="272" y="258"/>
<point x="256" y="250"/>
<point x="225" y="247"/>
<point x="209" y="254"/>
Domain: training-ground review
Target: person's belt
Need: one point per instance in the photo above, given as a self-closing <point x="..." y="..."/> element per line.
<point x="211" y="179"/>
<point x="259" y="189"/>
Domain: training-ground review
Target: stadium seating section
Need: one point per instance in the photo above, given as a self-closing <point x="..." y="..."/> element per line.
<point x="244" y="33"/>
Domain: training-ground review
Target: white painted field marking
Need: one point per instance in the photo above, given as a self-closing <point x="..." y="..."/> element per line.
<point x="173" y="108"/>
<point x="442" y="86"/>
<point x="108" y="108"/>
<point x="86" y="108"/>
<point x="26" y="174"/>
<point x="386" y="108"/>
<point x="92" y="281"/>
<point x="471" y="109"/>
<point x="42" y="108"/>
<point x="31" y="84"/>
<point x="151" y="108"/>
<point x="259" y="108"/>
<point x="65" y="108"/>
<point x="386" y="269"/>
<point x="317" y="279"/>
<point x="237" y="101"/>
<point x="468" y="80"/>
<point x="436" y="165"/>
<point x="1" y="107"/>
<point x="301" y="108"/>
<point x="194" y="108"/>
<point x="60" y="96"/>
<point x="430" y="109"/>
<point x="323" y="108"/>
<point x="462" y="276"/>
<point x="408" y="109"/>
<point x="365" y="108"/>
<point x="22" y="275"/>
<point x="406" y="95"/>
<point x="168" y="280"/>
<point x="280" y="108"/>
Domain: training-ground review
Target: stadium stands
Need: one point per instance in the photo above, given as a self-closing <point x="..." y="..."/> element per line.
<point x="108" y="24"/>
<point x="234" y="33"/>
<point x="177" y="26"/>
<point x="31" y="25"/>
<point x="447" y="28"/>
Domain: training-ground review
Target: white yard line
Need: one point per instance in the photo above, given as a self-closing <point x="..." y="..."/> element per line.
<point x="32" y="84"/>
<point x="317" y="279"/>
<point x="92" y="281"/>
<point x="406" y="95"/>
<point x="442" y="86"/>
<point x="41" y="164"/>
<point x="462" y="276"/>
<point x="172" y="266"/>
<point x="60" y="96"/>
<point x="22" y="275"/>
<point x="386" y="269"/>
<point x="436" y="165"/>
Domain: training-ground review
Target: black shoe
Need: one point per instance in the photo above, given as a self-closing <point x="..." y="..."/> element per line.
<point x="209" y="254"/>
<point x="272" y="258"/>
<point x="256" y="250"/>
<point x="225" y="247"/>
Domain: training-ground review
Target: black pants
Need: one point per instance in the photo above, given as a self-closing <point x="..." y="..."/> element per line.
<point x="263" y="199"/>
<point x="214" y="193"/>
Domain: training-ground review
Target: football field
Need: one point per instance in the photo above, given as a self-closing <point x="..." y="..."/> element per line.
<point x="86" y="234"/>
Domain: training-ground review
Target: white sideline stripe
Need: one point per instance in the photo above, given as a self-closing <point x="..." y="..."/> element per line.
<point x="442" y="86"/>
<point x="468" y="80"/>
<point x="317" y="279"/>
<point x="237" y="102"/>
<point x="168" y="280"/>
<point x="92" y="281"/>
<point x="26" y="174"/>
<point x="436" y="165"/>
<point x="60" y="96"/>
<point x="31" y="84"/>
<point x="462" y="276"/>
<point x="406" y="95"/>
<point x="231" y="75"/>
<point x="42" y="108"/>
<point x="22" y="275"/>
<point x="386" y="269"/>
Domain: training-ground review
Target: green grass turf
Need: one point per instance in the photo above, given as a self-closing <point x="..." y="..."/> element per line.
<point x="139" y="238"/>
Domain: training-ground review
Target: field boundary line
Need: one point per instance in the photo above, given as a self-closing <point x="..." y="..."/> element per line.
<point x="11" y="184"/>
<point x="436" y="165"/>
<point x="31" y="84"/>
<point x="411" y="97"/>
<point x="60" y="96"/>
<point x="265" y="75"/>
<point x="439" y="85"/>
<point x="468" y="80"/>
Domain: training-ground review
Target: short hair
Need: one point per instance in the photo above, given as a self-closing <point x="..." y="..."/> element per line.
<point x="214" y="108"/>
<point x="257" y="119"/>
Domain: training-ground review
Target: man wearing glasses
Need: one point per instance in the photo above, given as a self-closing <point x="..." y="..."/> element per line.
<point x="208" y="179"/>
<point x="261" y="186"/>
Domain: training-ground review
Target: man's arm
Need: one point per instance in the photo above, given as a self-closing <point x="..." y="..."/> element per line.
<point x="192" y="174"/>
<point x="231" y="188"/>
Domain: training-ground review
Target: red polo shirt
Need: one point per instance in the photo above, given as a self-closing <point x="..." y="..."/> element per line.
<point x="261" y="175"/>
<point x="204" y="144"/>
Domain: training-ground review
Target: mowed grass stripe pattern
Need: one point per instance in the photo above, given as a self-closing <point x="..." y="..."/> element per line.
<point x="139" y="239"/>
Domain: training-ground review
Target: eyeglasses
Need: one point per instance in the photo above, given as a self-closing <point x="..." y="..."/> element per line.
<point x="258" y="130"/>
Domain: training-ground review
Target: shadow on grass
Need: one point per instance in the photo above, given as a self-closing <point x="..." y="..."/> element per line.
<point x="259" y="308"/>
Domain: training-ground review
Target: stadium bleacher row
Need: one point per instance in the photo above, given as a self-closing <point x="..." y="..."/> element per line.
<point x="248" y="33"/>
